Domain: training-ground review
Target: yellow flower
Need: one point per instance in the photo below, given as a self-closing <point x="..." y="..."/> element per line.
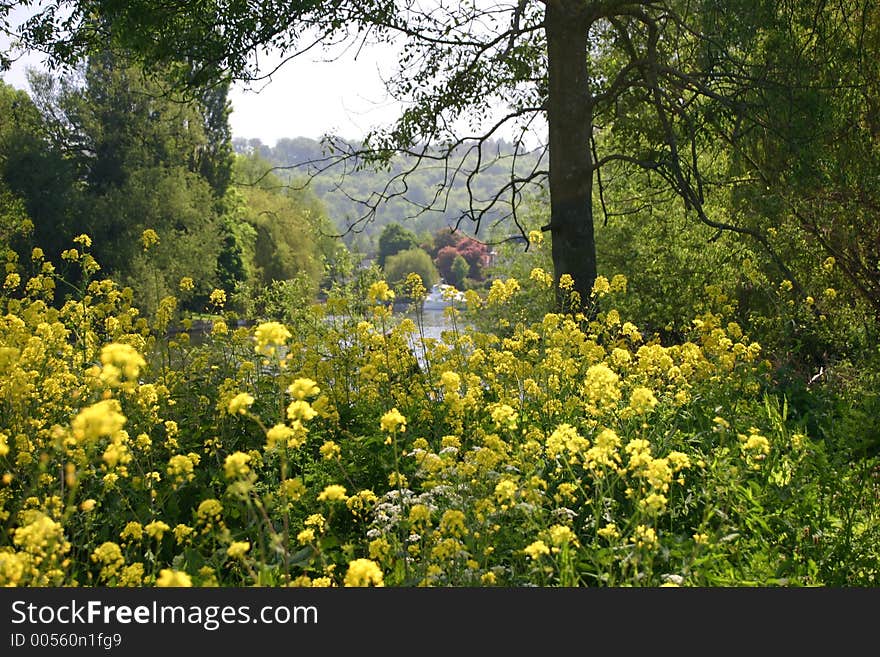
<point x="239" y="404"/>
<point x="362" y="502"/>
<point x="209" y="509"/>
<point x="541" y="277"/>
<point x="102" y="419"/>
<point x="642" y="400"/>
<point x="169" y="578"/>
<point x="83" y="240"/>
<point x="302" y="388"/>
<point x="379" y="291"/>
<point x="655" y="503"/>
<point x="502" y="291"/>
<point x="363" y="572"/>
<point x="505" y="490"/>
<point x="452" y="523"/>
<point x="180" y="467"/>
<point x="217" y="298"/>
<point x="279" y="434"/>
<point x="503" y="416"/>
<point x="450" y="381"/>
<point x="134" y="530"/>
<point x="601" y="385"/>
<point x="330" y="450"/>
<point x="562" y="535"/>
<point x="300" y="410"/>
<point x="236" y="465"/>
<point x="536" y="549"/>
<point x="645" y="537"/>
<point x="120" y="361"/>
<point x="393" y="421"/>
<point x="181" y="532"/>
<point x="13" y="280"/>
<point x="609" y="531"/>
<point x="108" y="553"/>
<point x="269" y="336"/>
<point x="157" y="529"/>
<point x="332" y="493"/>
<point x="238" y="549"/>
<point x="601" y="286"/>
<point x="87" y="505"/>
<point x="186" y="284"/>
<point x="149" y="239"/>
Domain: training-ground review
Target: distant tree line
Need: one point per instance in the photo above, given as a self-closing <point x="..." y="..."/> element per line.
<point x="301" y="160"/>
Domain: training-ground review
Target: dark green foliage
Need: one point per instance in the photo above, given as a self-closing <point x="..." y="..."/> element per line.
<point x="394" y="239"/>
<point x="36" y="172"/>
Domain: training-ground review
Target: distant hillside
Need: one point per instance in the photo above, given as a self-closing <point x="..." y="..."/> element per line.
<point x="421" y="186"/>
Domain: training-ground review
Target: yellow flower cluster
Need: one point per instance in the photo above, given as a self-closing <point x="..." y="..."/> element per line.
<point x="269" y="336"/>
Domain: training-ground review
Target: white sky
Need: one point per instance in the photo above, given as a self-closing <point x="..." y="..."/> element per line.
<point x="310" y="96"/>
<point x="306" y="97"/>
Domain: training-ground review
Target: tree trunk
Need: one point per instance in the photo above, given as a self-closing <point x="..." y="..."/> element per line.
<point x="569" y="119"/>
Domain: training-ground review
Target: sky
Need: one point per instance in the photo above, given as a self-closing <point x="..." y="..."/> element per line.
<point x="307" y="97"/>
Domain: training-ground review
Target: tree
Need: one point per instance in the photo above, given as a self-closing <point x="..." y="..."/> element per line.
<point x="36" y="173"/>
<point x="411" y="261"/>
<point x="394" y="239"/>
<point x="810" y="173"/>
<point x="458" y="272"/>
<point x="449" y="248"/>
<point x="288" y="230"/>
<point x="645" y="68"/>
<point x="133" y="160"/>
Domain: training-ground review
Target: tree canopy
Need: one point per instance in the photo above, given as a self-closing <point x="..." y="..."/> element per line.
<point x="655" y="88"/>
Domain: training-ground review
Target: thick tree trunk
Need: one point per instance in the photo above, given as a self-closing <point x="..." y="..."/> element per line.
<point x="569" y="118"/>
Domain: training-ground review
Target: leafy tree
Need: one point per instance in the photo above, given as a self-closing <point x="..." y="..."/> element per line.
<point x="458" y="272"/>
<point x="809" y="178"/>
<point x="410" y="261"/>
<point x="14" y="222"/>
<point x="35" y="173"/>
<point x="133" y="159"/>
<point x="394" y="239"/>
<point x="644" y="66"/>
<point x="214" y="159"/>
<point x="291" y="234"/>
<point x="449" y="246"/>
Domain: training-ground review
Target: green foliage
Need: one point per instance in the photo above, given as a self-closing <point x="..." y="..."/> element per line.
<point x="394" y="239"/>
<point x="179" y="206"/>
<point x="36" y="172"/>
<point x="458" y="271"/>
<point x="291" y="234"/>
<point x="14" y="222"/>
<point x="410" y="261"/>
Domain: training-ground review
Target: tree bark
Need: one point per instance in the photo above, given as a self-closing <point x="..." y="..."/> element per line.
<point x="570" y="124"/>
